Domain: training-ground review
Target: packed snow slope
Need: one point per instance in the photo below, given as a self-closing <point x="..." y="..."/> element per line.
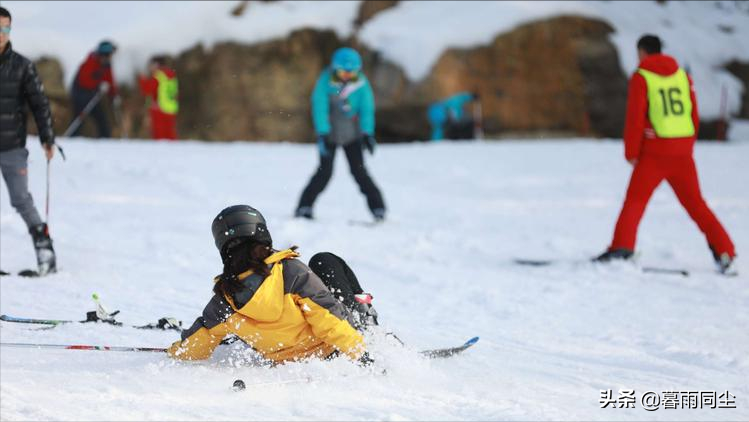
<point x="131" y="222"/>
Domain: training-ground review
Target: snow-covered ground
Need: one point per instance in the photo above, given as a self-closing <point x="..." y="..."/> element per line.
<point x="739" y="130"/>
<point x="131" y="222"/>
<point x="702" y="35"/>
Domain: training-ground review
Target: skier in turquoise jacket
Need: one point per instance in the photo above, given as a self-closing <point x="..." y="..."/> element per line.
<point x="343" y="113"/>
<point x="449" y="111"/>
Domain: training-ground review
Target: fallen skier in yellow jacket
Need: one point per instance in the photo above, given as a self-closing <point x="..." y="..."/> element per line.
<point x="274" y="302"/>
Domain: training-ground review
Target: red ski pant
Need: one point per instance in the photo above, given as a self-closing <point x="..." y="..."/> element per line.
<point x="163" y="126"/>
<point x="681" y="173"/>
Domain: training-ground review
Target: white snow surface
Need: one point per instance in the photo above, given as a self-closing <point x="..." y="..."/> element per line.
<point x="131" y="222"/>
<point x="413" y="34"/>
<point x="738" y="130"/>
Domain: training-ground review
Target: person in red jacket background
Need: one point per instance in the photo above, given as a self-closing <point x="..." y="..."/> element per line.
<point x="661" y="128"/>
<point x="94" y="72"/>
<point x="161" y="90"/>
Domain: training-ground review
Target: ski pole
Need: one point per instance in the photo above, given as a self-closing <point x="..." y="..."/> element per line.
<point x="84" y="347"/>
<point x="46" y="203"/>
<point x="91" y="104"/>
<point x="240" y="385"/>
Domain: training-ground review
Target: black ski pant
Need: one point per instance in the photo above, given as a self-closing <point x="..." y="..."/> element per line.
<point x="337" y="276"/>
<point x="320" y="179"/>
<point x="81" y="98"/>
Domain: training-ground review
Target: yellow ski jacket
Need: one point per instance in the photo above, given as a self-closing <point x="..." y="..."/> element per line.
<point x="288" y="315"/>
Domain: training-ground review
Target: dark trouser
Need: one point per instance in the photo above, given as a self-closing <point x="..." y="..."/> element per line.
<point x="460" y="129"/>
<point x="342" y="282"/>
<point x="320" y="179"/>
<point x="14" y="165"/>
<point x="337" y="276"/>
<point x="81" y="98"/>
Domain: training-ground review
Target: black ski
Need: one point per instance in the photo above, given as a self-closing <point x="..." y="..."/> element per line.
<point x="364" y="223"/>
<point x="23" y="273"/>
<point x="534" y="262"/>
<point x="162" y="324"/>
<point x="550" y="262"/>
<point x="450" y="351"/>
<point x="29" y="273"/>
<point x="658" y="270"/>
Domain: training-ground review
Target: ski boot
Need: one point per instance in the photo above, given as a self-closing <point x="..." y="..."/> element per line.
<point x="379" y="215"/>
<point x="612" y="254"/>
<point x="303" y="212"/>
<point x="364" y="314"/>
<point x="45" y="253"/>
<point x="725" y="262"/>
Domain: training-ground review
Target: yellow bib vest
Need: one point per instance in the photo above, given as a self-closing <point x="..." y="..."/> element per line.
<point x="167" y="93"/>
<point x="669" y="104"/>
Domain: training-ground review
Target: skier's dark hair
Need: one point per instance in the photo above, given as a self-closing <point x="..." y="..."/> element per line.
<point x="160" y="60"/>
<point x="650" y="44"/>
<point x="5" y="13"/>
<point x="242" y="255"/>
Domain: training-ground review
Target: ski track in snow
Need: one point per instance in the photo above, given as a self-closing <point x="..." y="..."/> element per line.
<point x="131" y="222"/>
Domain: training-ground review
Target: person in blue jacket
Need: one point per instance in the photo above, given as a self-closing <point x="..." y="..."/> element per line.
<point x="343" y="113"/>
<point x="449" y="112"/>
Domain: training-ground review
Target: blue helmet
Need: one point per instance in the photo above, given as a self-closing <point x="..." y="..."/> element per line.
<point x="105" y="48"/>
<point x="347" y="59"/>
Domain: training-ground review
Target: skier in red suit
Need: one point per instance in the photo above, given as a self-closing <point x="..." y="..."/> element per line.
<point x="661" y="128"/>
<point x="94" y="72"/>
<point x="161" y="89"/>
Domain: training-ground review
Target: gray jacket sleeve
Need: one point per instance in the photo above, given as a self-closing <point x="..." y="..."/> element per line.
<point x="215" y="312"/>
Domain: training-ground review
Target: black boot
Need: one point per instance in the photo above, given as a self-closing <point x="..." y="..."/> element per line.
<point x="379" y="214"/>
<point x="363" y="311"/>
<point x="612" y="254"/>
<point x="45" y="253"/>
<point x="724" y="262"/>
<point x="304" y="212"/>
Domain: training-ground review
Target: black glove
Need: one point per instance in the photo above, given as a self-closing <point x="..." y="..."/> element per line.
<point x="323" y="145"/>
<point x="369" y="142"/>
<point x="365" y="360"/>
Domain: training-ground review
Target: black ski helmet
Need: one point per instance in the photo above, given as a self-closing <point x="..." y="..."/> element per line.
<point x="239" y="222"/>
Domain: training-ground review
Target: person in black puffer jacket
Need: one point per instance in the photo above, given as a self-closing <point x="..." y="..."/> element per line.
<point x="20" y="86"/>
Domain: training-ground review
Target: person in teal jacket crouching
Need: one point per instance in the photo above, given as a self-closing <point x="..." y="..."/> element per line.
<point x="449" y="119"/>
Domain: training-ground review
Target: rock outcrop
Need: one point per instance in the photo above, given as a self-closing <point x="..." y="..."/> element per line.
<point x="559" y="75"/>
<point x="256" y="91"/>
<point x="370" y="8"/>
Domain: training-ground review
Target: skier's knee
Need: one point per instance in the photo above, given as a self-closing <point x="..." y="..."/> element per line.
<point x="321" y="259"/>
<point x="22" y="203"/>
<point x="324" y="174"/>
